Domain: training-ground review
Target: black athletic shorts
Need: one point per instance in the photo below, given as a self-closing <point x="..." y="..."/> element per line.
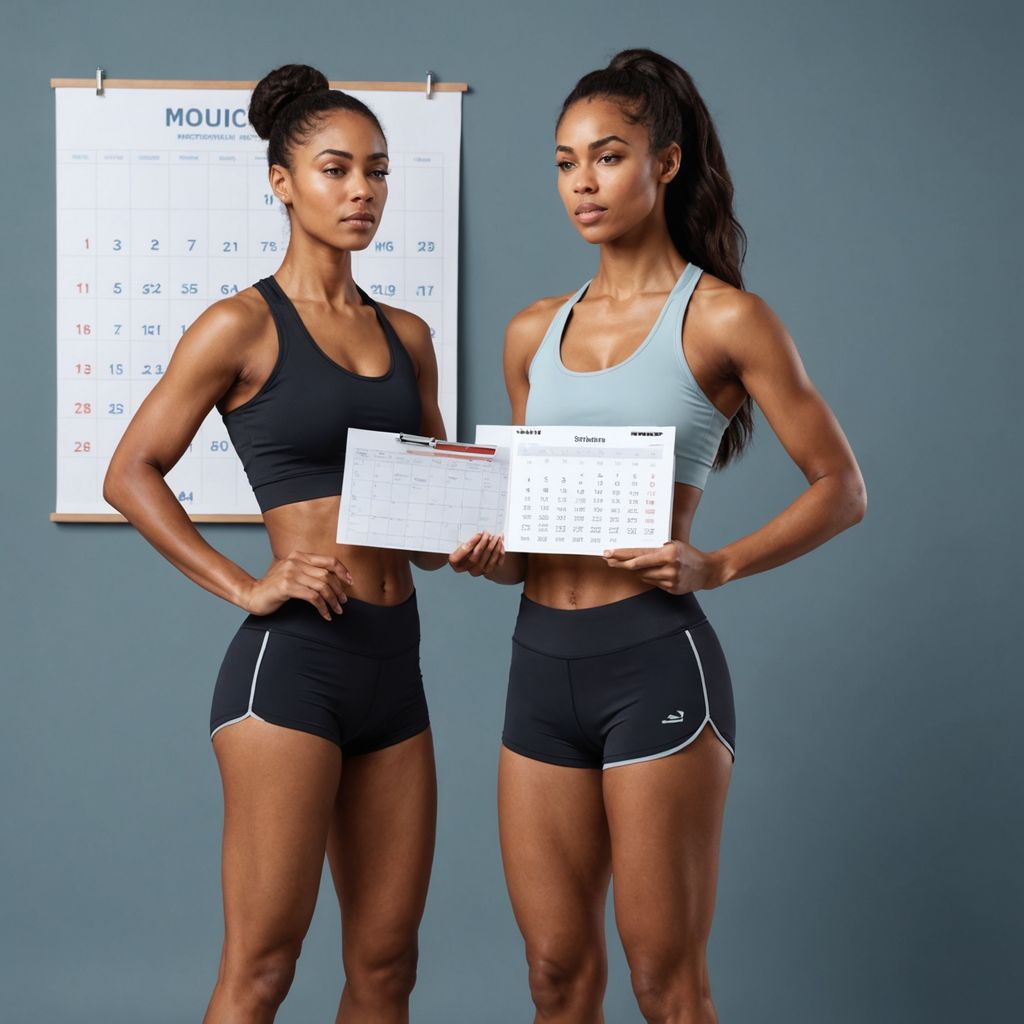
<point x="354" y="680"/>
<point x="621" y="683"/>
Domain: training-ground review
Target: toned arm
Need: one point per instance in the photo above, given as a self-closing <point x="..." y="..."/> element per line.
<point x="522" y="339"/>
<point x="206" y="364"/>
<point x="765" y="360"/>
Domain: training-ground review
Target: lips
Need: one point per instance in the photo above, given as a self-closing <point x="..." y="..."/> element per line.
<point x="360" y="218"/>
<point x="587" y="213"/>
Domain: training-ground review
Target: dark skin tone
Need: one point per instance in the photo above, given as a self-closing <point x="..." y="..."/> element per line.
<point x="288" y="798"/>
<point x="654" y="825"/>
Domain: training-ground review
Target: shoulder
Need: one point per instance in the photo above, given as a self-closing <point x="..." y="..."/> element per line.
<point x="733" y="320"/>
<point x="527" y="328"/>
<point x="536" y="318"/>
<point x="227" y="329"/>
<point x="239" y="313"/>
<point x="413" y="332"/>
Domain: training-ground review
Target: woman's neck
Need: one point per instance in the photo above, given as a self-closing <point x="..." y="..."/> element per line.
<point x="317" y="272"/>
<point x="644" y="260"/>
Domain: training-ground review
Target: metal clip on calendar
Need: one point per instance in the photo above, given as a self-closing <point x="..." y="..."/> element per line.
<point x="430" y="85"/>
<point x="99" y="81"/>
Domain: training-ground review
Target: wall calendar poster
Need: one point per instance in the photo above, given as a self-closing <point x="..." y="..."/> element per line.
<point x="163" y="207"/>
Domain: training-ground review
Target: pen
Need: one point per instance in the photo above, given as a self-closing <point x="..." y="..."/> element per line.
<point x="445" y="446"/>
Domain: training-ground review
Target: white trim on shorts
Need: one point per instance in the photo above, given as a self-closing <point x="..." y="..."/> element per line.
<point x="707" y="721"/>
<point x="249" y="713"/>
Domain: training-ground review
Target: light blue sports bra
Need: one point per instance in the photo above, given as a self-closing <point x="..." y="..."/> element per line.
<point x="653" y="387"/>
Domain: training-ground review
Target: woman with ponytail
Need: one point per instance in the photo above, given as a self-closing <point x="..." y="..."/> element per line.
<point x="619" y="729"/>
<point x="319" y="722"/>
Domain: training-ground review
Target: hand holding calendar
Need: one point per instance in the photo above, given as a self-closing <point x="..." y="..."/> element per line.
<point x="555" y="489"/>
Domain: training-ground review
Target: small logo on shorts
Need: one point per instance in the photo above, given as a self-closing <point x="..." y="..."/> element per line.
<point x="673" y="718"/>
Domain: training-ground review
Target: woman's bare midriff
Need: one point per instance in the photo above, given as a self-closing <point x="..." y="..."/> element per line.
<point x="585" y="581"/>
<point x="380" y="575"/>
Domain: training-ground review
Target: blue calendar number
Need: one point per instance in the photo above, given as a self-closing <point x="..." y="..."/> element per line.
<point x="151" y="330"/>
<point x="185" y="497"/>
<point x="154" y="245"/>
<point x="425" y="247"/>
<point x="424" y="289"/>
<point x="152" y="369"/>
<point x="151" y="288"/>
<point x="268" y="246"/>
<point x="388" y="246"/>
<point x="383" y="289"/>
<point x="190" y="288"/>
<point x="115" y="409"/>
<point x="219" y="446"/>
<point x="118" y="287"/>
<point x="116" y="369"/>
<point x="229" y="247"/>
<point x="229" y="289"/>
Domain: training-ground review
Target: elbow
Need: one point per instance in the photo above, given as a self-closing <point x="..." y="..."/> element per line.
<point x="121" y="481"/>
<point x="855" y="495"/>
<point x="112" y="489"/>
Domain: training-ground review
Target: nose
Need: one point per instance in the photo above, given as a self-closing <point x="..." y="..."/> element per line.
<point x="361" y="190"/>
<point x="583" y="183"/>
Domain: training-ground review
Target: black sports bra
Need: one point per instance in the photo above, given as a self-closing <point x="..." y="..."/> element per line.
<point x="291" y="434"/>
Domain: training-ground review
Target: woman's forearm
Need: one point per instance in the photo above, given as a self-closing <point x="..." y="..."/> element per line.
<point x="140" y="493"/>
<point x="512" y="570"/>
<point x="831" y="504"/>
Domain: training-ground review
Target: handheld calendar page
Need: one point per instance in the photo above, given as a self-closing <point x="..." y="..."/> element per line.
<point x="163" y="208"/>
<point x="419" y="494"/>
<point x="583" y="490"/>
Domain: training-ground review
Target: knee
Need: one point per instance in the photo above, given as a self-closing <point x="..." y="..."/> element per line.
<point x="261" y="980"/>
<point x="673" y="991"/>
<point x="383" y="976"/>
<point x="562" y="980"/>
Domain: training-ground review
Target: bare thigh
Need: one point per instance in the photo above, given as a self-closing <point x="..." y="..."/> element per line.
<point x="279" y="790"/>
<point x="555" y="850"/>
<point x="665" y="818"/>
<point x="380" y="848"/>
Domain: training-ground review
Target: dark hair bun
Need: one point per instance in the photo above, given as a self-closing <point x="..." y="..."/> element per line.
<point x="276" y="90"/>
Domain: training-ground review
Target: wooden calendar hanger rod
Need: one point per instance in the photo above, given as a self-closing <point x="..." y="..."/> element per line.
<point x="431" y="85"/>
<point x="100" y="517"/>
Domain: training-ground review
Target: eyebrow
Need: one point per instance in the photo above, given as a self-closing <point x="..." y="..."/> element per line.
<point x="348" y="156"/>
<point x="594" y="145"/>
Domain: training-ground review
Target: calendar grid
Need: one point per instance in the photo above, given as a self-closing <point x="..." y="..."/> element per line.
<point x="396" y="496"/>
<point x="587" y="490"/>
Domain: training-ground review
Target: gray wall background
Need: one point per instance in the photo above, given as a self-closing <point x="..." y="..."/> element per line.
<point x="873" y="842"/>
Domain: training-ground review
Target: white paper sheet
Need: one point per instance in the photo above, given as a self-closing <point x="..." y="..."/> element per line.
<point x="583" y="490"/>
<point x="410" y="495"/>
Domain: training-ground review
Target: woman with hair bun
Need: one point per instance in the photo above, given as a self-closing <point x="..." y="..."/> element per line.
<point x="619" y="729"/>
<point x="319" y="721"/>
